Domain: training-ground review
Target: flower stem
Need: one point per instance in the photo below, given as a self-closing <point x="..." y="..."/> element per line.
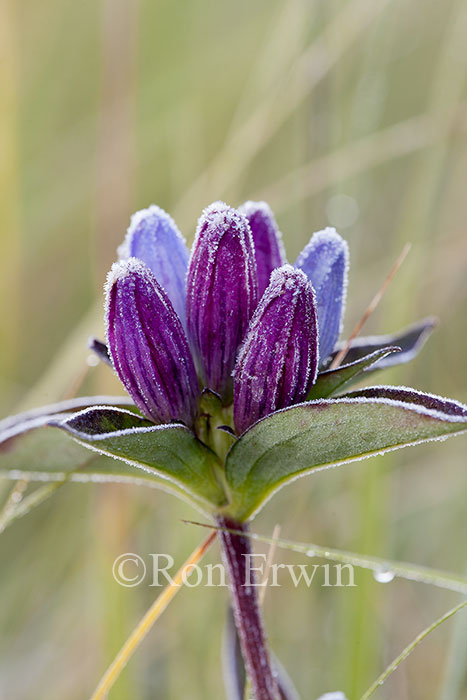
<point x="236" y="550"/>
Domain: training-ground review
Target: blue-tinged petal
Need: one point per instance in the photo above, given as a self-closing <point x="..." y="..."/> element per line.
<point x="267" y="240"/>
<point x="325" y="261"/>
<point x="154" y="238"/>
<point x="222" y="292"/>
<point x="278" y="362"/>
<point x="148" y="345"/>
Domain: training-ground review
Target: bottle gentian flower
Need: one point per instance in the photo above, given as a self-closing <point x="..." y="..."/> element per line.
<point x="267" y="240"/>
<point x="154" y="238"/>
<point x="325" y="261"/>
<point x="224" y="354"/>
<point x="278" y="361"/>
<point x="148" y="346"/>
<point x="222" y="292"/>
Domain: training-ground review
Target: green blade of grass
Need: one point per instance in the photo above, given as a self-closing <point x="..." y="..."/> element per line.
<point x="409" y="648"/>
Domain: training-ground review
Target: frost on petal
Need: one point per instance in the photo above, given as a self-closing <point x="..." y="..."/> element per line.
<point x="267" y="240"/>
<point x="278" y="362"/>
<point x="148" y="346"/>
<point x="325" y="261"/>
<point x="154" y="238"/>
<point x="222" y="292"/>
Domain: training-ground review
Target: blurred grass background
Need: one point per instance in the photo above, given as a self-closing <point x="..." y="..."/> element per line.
<point x="346" y="112"/>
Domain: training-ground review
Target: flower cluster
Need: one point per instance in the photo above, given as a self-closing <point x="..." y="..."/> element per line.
<point x="255" y="327"/>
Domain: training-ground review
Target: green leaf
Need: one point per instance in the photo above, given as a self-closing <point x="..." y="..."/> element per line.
<point x="332" y="380"/>
<point x="319" y="434"/>
<point x="169" y="452"/>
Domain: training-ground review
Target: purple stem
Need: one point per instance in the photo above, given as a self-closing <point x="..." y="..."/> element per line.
<point x="235" y="550"/>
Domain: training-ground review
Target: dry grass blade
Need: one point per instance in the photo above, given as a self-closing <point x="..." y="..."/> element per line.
<point x="145" y="624"/>
<point x="371" y="307"/>
<point x="12" y="502"/>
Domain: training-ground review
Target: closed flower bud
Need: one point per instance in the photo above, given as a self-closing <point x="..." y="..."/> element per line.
<point x="154" y="238"/>
<point x="325" y="261"/>
<point x="148" y="346"/>
<point x="222" y="293"/>
<point x="278" y="362"/>
<point x="267" y="240"/>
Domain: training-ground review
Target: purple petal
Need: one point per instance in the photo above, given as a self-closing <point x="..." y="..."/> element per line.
<point x="222" y="292"/>
<point x="325" y="261"/>
<point x="148" y="346"/>
<point x="154" y="238"/>
<point x="278" y="361"/>
<point x="267" y="240"/>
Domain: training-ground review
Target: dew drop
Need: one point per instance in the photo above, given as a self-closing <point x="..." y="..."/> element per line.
<point x="310" y="553"/>
<point x="383" y="575"/>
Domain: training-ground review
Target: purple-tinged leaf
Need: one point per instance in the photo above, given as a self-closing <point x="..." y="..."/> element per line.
<point x="278" y="362"/>
<point x="410" y="341"/>
<point x="148" y="345"/>
<point x="319" y="434"/>
<point x="46" y="454"/>
<point x="154" y="238"/>
<point x="405" y="394"/>
<point x="267" y="239"/>
<point x="100" y="349"/>
<point x="222" y="293"/>
<point x="170" y="452"/>
<point x="325" y="261"/>
<point x="330" y="381"/>
<point x="36" y="417"/>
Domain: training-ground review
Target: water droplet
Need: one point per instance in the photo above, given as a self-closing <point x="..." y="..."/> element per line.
<point x="383" y="575"/>
<point x="92" y="360"/>
<point x="310" y="553"/>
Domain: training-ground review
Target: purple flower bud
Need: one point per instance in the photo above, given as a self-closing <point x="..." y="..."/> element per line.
<point x="148" y="345"/>
<point x="222" y="292"/>
<point x="267" y="240"/>
<point x="325" y="261"/>
<point x="154" y="238"/>
<point x="278" y="362"/>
